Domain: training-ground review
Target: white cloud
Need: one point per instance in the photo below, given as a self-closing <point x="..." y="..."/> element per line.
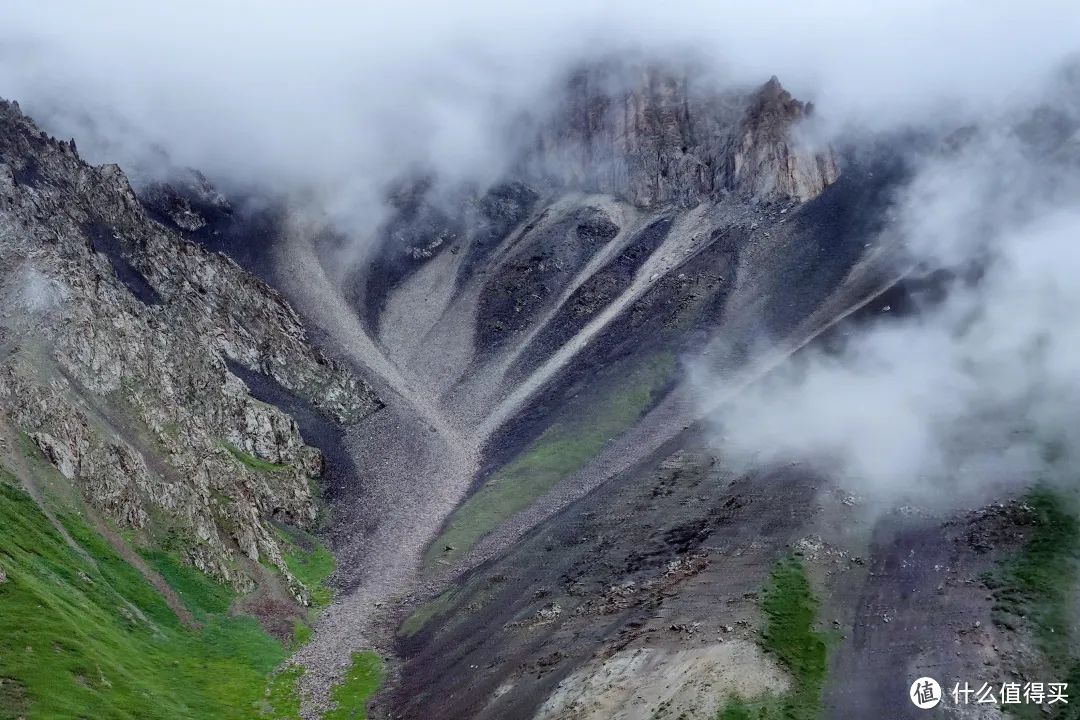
<point x="969" y="395"/>
<point x="341" y="96"/>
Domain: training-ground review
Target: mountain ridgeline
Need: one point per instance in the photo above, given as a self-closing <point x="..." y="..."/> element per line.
<point x="490" y="409"/>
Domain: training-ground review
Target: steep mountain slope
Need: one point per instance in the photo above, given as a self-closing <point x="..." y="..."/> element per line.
<point x="531" y="508"/>
<point x="132" y="454"/>
<point x="580" y="320"/>
<point x="125" y="316"/>
<point x="530" y="341"/>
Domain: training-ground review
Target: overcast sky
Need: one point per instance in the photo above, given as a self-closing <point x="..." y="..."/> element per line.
<point x="345" y="94"/>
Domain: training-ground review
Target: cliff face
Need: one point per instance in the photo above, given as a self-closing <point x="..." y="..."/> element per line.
<point x="651" y="137"/>
<point x="114" y="337"/>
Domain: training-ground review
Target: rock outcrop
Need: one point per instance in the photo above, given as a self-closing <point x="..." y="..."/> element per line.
<point x="187" y="201"/>
<point x="769" y="158"/>
<point x="114" y="339"/>
<point x="650" y="136"/>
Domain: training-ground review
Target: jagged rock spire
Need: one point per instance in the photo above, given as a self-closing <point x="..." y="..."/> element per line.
<point x="652" y="137"/>
<point x="768" y="159"/>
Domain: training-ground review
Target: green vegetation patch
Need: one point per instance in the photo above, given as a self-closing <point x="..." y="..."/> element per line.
<point x="423" y="614"/>
<point x="791" y="612"/>
<point x="255" y="463"/>
<point x="1038" y="583"/>
<point x="360" y="683"/>
<point x="1037" y="588"/>
<point x="283" y="694"/>
<point x="739" y="710"/>
<point x="564" y="448"/>
<point x="201" y="594"/>
<point x="792" y="609"/>
<point x="312" y="567"/>
<point x="84" y="635"/>
<point x="302" y="633"/>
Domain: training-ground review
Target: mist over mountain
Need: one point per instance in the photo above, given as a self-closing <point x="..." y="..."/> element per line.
<point x="964" y="392"/>
<point x="587" y="360"/>
<point x="339" y="100"/>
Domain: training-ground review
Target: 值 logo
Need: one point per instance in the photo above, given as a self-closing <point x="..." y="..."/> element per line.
<point x="925" y="693"/>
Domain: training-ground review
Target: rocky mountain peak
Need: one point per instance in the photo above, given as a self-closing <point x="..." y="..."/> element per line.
<point x="769" y="157"/>
<point x="653" y="135"/>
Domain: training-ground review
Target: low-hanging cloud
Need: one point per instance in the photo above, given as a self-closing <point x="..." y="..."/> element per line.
<point x="971" y="395"/>
<point x="335" y="99"/>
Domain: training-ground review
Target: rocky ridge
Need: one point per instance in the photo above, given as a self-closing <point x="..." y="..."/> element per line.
<point x="114" y="338"/>
<point x="651" y="136"/>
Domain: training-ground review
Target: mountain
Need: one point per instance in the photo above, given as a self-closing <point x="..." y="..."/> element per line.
<point x="125" y="421"/>
<point x="494" y="415"/>
<point x="530" y="343"/>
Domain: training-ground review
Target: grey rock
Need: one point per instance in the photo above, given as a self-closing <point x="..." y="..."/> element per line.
<point x="646" y="134"/>
<point x="114" y="362"/>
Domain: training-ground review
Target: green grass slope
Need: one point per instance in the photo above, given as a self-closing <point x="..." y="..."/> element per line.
<point x="84" y="635"/>
<point x="1036" y="589"/>
<point x="791" y="612"/>
<point x="561" y="450"/>
<point x="363" y="679"/>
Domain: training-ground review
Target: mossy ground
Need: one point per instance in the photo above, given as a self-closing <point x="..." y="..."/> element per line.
<point x="311" y="563"/>
<point x="1037" y="589"/>
<point x="560" y="450"/>
<point x="420" y="617"/>
<point x="282" y="696"/>
<point x="791" y="613"/>
<point x="360" y="683"/>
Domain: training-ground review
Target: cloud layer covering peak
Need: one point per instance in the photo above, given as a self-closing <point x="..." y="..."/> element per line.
<point x="345" y="96"/>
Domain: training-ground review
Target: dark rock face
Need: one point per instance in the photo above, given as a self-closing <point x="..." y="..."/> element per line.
<point x="648" y="137"/>
<point x="768" y="158"/>
<point x="245" y="227"/>
<point x="596" y="292"/>
<point x="542" y="264"/>
<point x="651" y="137"/>
<point x="626" y="567"/>
<point x="420" y="228"/>
<point x="188" y="202"/>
